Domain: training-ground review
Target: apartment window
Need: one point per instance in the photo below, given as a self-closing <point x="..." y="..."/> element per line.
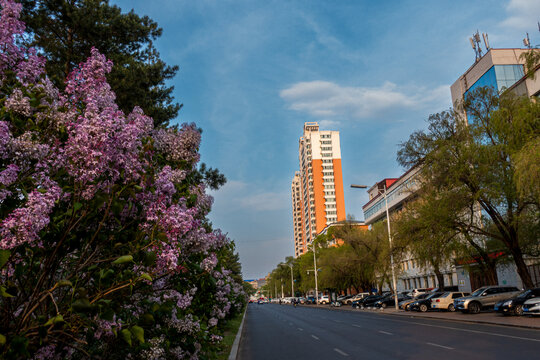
<point x="326" y="155"/>
<point x="328" y="173"/>
<point x="326" y="148"/>
<point x="326" y="142"/>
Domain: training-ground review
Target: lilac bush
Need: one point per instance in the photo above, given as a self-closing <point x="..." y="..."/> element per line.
<point x="105" y="246"/>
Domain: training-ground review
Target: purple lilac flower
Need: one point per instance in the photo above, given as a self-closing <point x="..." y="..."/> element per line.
<point x="19" y="103"/>
<point x="24" y="224"/>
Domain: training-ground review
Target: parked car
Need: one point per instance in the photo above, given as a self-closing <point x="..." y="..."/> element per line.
<point x="389" y="300"/>
<point x="424" y="304"/>
<point x="405" y="304"/>
<point x="324" y="299"/>
<point x="420" y="291"/>
<point x="532" y="306"/>
<point x="310" y="300"/>
<point x="514" y="306"/>
<point x="445" y="301"/>
<point x="356" y="297"/>
<point x="359" y="304"/>
<point x="371" y="300"/>
<point x="484" y="297"/>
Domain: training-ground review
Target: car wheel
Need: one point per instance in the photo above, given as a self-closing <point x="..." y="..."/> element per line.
<point x="407" y="308"/>
<point x="518" y="311"/>
<point x="474" y="308"/>
<point x="423" y="308"/>
<point x="383" y="305"/>
<point x="451" y="308"/>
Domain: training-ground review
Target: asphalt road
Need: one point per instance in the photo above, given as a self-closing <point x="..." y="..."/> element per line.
<point x="283" y="332"/>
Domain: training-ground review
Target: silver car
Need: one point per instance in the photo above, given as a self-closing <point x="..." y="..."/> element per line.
<point x="484" y="297"/>
<point x="532" y="306"/>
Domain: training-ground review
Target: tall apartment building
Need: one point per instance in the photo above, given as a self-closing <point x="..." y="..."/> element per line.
<point x="317" y="189"/>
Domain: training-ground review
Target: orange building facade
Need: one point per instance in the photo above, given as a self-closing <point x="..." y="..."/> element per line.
<point x="317" y="189"/>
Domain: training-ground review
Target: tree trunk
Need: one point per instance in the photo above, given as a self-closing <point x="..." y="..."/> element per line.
<point x="440" y="279"/>
<point x="522" y="267"/>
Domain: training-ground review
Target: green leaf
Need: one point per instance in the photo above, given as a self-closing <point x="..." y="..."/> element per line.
<point x="55" y="320"/>
<point x="77" y="206"/>
<point x="82" y="305"/>
<point x="126" y="335"/>
<point x="147" y="319"/>
<point x="150" y="258"/>
<point x="4" y="293"/>
<point x="123" y="259"/>
<point x="138" y="333"/>
<point x="4" y="257"/>
<point x="2" y="339"/>
<point x="145" y="276"/>
<point x="65" y="282"/>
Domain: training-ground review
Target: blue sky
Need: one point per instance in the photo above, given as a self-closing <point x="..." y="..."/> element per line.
<point x="252" y="72"/>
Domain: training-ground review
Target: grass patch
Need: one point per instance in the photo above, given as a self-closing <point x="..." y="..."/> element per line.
<point x="229" y="334"/>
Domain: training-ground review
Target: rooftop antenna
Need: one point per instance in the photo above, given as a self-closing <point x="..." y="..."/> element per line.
<point x="527" y="41"/>
<point x="475" y="43"/>
<point x="486" y="41"/>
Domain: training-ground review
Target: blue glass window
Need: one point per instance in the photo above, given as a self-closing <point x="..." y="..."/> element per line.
<point x="499" y="77"/>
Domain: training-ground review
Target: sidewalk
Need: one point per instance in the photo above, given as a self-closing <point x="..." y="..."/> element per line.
<point x="492" y="318"/>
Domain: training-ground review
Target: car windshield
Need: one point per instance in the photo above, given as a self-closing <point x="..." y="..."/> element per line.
<point x="478" y="292"/>
<point x="444" y="294"/>
<point x="524" y="294"/>
<point x="433" y="295"/>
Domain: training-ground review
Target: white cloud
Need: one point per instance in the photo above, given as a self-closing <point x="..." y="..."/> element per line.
<point x="330" y="100"/>
<point x="523" y="14"/>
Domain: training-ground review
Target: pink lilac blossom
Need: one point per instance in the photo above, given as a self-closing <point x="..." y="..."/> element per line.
<point x="10" y="26"/>
<point x="30" y="71"/>
<point x="9" y="175"/>
<point x="46" y="352"/>
<point x="209" y="263"/>
<point x="181" y="145"/>
<point x="23" y="225"/>
<point x="5" y="139"/>
<point x="18" y="103"/>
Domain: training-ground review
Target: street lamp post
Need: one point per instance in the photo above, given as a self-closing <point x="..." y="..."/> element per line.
<point x="389" y="240"/>
<point x="315" y="271"/>
<point x="292" y="279"/>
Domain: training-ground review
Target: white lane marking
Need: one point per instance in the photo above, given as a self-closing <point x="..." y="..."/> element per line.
<point x="384" y="332"/>
<point x="341" y="352"/>
<point x="478" y="332"/>
<point x="313" y="336"/>
<point x="300" y="329"/>
<point x="356" y="325"/>
<point x="337" y="321"/>
<point x="441" y="346"/>
<point x="461" y="329"/>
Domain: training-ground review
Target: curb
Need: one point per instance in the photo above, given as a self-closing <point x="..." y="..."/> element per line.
<point x="236" y="343"/>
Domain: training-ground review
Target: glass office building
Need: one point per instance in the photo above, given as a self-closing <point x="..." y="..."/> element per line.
<point x="499" y="77"/>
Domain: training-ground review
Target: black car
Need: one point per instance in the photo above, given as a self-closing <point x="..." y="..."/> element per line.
<point x="389" y="300"/>
<point x="360" y="304"/>
<point x="424" y="304"/>
<point x="514" y="306"/>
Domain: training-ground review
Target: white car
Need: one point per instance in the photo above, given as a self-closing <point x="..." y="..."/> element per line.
<point x="324" y="299"/>
<point x="446" y="300"/>
<point x="532" y="306"/>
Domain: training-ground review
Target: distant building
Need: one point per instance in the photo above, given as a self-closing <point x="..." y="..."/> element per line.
<point x="335" y="241"/>
<point x="501" y="69"/>
<point x="317" y="189"/>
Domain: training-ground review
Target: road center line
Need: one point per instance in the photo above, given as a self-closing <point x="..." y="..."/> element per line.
<point x="341" y="352"/>
<point x="441" y="346"/>
<point x="358" y="326"/>
<point x="337" y="321"/>
<point x="384" y="332"/>
<point x="300" y="329"/>
<point x="313" y="336"/>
